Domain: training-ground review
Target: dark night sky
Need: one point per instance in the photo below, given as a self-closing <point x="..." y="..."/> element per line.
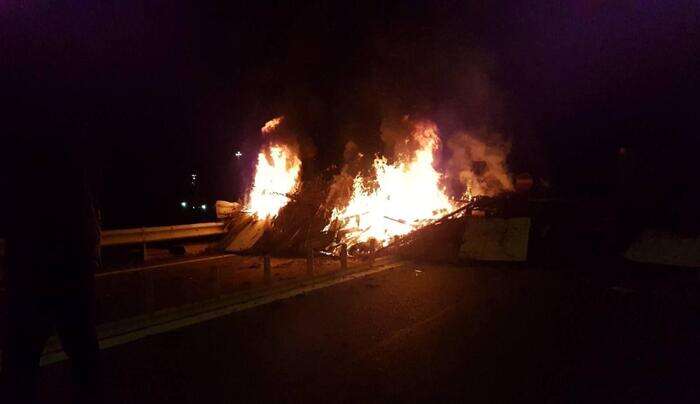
<point x="162" y="88"/>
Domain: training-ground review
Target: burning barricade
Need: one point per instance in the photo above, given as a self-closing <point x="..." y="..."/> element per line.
<point x="384" y="208"/>
<point x="279" y="214"/>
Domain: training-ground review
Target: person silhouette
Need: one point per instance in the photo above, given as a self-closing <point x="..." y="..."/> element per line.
<point x="52" y="253"/>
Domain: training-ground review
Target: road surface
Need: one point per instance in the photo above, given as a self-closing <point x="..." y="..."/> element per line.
<point x="430" y="333"/>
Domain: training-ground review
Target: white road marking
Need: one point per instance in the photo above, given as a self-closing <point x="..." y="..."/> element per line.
<point x="159" y="328"/>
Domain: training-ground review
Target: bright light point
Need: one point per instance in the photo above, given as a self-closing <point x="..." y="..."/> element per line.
<point x="204" y="207"/>
<point x="183" y="204"/>
<point x="238" y="154"/>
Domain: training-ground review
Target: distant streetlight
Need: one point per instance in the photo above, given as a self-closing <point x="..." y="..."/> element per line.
<point x="238" y="154"/>
<point x="204" y="207"/>
<point x="183" y="204"/>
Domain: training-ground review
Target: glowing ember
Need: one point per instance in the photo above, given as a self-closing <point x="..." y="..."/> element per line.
<point x="407" y="195"/>
<point x="272" y="124"/>
<point x="276" y="176"/>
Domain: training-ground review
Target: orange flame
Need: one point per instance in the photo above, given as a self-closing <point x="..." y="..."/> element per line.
<point x="272" y="124"/>
<point x="276" y="176"/>
<point x="407" y="195"/>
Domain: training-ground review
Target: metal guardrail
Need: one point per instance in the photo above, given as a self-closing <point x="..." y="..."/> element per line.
<point x="143" y="235"/>
<point x="149" y="234"/>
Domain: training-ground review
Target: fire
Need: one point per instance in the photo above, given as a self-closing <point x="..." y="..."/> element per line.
<point x="272" y="124"/>
<point x="276" y="176"/>
<point x="407" y="195"/>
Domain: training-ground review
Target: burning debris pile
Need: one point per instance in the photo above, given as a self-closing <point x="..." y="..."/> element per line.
<point x="396" y="198"/>
<point x="276" y="180"/>
<point x="276" y="176"/>
<point x="366" y="209"/>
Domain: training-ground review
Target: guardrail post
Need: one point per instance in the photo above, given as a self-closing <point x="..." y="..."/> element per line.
<point x="217" y="281"/>
<point x="267" y="271"/>
<point x="145" y="251"/>
<point x="310" y="262"/>
<point x="343" y="257"/>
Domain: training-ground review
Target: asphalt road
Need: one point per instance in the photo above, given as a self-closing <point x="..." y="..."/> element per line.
<point x="430" y="333"/>
<point x="183" y="282"/>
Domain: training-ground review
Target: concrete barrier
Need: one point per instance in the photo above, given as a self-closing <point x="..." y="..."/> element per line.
<point x="495" y="239"/>
<point x="654" y="247"/>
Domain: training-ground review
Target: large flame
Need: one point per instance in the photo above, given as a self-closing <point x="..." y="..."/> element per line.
<point x="407" y="195"/>
<point x="276" y="177"/>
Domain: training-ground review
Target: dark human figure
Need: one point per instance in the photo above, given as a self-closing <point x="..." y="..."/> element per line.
<point x="52" y="252"/>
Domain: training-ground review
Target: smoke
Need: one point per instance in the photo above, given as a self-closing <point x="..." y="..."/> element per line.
<point x="403" y="137"/>
<point x="395" y="132"/>
<point x="351" y="152"/>
<point x="477" y="159"/>
<point x="277" y="131"/>
<point x="341" y="186"/>
<point x="478" y="162"/>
